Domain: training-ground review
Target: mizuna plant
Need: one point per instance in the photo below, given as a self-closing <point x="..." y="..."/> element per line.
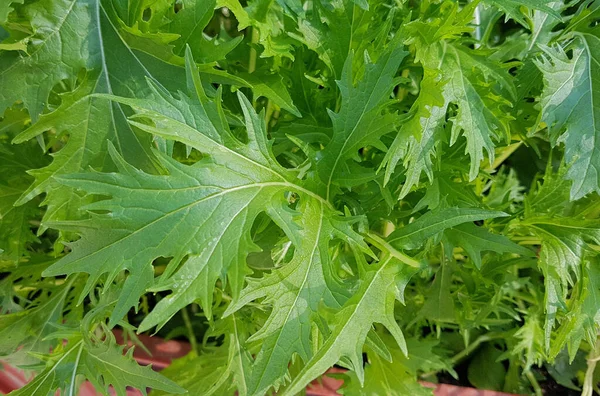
<point x="397" y="187"/>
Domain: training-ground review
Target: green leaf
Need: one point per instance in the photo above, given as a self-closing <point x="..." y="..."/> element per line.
<point x="25" y="331"/>
<point x="223" y="195"/>
<point x="475" y="240"/>
<point x="453" y="75"/>
<point x="218" y="370"/>
<point x="485" y="372"/>
<point x="189" y="23"/>
<point x="333" y="30"/>
<point x="478" y="118"/>
<point x="272" y="87"/>
<point x="361" y="110"/>
<point x="266" y="17"/>
<point x="571" y="89"/>
<point x="398" y="377"/>
<point x="414" y="234"/>
<point x="439" y="305"/>
<point x="89" y="121"/>
<point x="564" y="244"/>
<point x="296" y="291"/>
<point x="416" y="138"/>
<point x="379" y="289"/>
<point x="134" y="173"/>
<point x="459" y="82"/>
<point x="103" y="365"/>
<point x="53" y="23"/>
<point x="515" y="8"/>
<point x="15" y="227"/>
<point x="5" y="9"/>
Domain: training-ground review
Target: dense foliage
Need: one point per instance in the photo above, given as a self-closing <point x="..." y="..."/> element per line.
<point x="297" y="184"/>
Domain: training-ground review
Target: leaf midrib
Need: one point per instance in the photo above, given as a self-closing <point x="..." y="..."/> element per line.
<point x="173" y="212"/>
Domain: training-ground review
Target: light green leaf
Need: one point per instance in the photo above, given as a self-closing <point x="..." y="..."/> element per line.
<point x="516" y="9"/>
<point x="414" y="234"/>
<point x="296" y="291"/>
<point x="561" y="258"/>
<point x="453" y="75"/>
<point x="273" y="88"/>
<point x="530" y="344"/>
<point x="569" y="109"/>
<point x="582" y="321"/>
<point x="416" y="138"/>
<point x="5" y="9"/>
<point x="474" y="240"/>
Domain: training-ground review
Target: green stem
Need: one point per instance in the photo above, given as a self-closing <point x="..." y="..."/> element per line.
<point x="403" y="92"/>
<point x="534" y="383"/>
<point x="253" y="40"/>
<point x="588" y="382"/>
<point x="472" y="347"/>
<point x="190" y="329"/>
<point x="381" y="244"/>
<point x="269" y="114"/>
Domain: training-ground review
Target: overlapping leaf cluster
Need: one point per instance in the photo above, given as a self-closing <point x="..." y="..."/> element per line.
<point x="316" y="180"/>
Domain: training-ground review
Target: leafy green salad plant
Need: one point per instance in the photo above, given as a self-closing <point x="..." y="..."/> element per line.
<point x="407" y="189"/>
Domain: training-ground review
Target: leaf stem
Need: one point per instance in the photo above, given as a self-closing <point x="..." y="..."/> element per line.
<point x="592" y="360"/>
<point x="253" y="55"/>
<point x="190" y="329"/>
<point x="269" y="114"/>
<point x="381" y="244"/>
<point x="534" y="383"/>
<point x="74" y="373"/>
<point x="402" y="91"/>
<point x="472" y="347"/>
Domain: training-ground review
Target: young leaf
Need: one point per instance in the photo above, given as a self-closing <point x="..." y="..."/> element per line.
<point x="360" y="121"/>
